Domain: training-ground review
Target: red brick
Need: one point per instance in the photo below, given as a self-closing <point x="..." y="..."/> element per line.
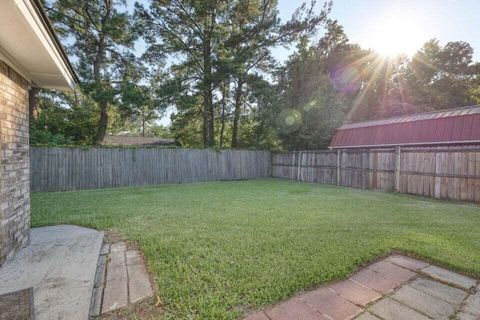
<point x="294" y="309"/>
<point x="375" y="281"/>
<point x="355" y="292"/>
<point x="391" y="271"/>
<point x="331" y="304"/>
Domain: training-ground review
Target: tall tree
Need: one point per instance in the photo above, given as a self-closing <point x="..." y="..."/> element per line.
<point x="99" y="34"/>
<point x="441" y="77"/>
<point x="215" y="41"/>
<point x="189" y="30"/>
<point x="315" y="87"/>
<point x="255" y="29"/>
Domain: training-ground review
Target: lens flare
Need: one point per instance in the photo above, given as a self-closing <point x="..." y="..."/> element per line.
<point x="289" y="120"/>
<point x="345" y="79"/>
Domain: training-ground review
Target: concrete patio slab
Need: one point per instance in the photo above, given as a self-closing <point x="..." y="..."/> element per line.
<point x="390" y="309"/>
<point x="449" y="277"/>
<point x="466" y="316"/>
<point x="407" y="262"/>
<point x="60" y="265"/>
<point x="367" y="316"/>
<point x="431" y="306"/>
<point x="395" y="288"/>
<point x="472" y="304"/>
<point x="453" y="295"/>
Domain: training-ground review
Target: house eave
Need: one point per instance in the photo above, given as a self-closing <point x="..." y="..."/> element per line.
<point x="29" y="45"/>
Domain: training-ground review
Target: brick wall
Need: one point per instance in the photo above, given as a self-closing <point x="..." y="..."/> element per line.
<point x="14" y="163"/>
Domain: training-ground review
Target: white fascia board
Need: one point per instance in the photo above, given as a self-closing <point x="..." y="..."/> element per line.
<point x="36" y="24"/>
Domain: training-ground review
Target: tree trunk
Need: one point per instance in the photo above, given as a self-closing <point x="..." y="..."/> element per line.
<point x="207" y="97"/>
<point x="204" y="127"/>
<point x="236" y="114"/>
<point x="97" y="67"/>
<point x="208" y="81"/>
<point x="102" y="123"/>
<point x="224" y="106"/>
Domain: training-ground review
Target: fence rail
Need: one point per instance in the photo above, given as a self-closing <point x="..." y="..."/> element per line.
<point x="61" y="169"/>
<point x="444" y="173"/>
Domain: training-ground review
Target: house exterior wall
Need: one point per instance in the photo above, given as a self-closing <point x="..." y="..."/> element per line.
<point x="14" y="163"/>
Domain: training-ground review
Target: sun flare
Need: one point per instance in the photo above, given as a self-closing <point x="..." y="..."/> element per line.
<point x="397" y="34"/>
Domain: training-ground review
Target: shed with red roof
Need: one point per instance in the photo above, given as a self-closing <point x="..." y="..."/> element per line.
<point x="452" y="127"/>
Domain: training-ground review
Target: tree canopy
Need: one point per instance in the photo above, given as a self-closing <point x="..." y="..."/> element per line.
<point x="211" y="62"/>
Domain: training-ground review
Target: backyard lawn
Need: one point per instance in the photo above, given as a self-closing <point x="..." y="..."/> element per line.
<point x="218" y="249"/>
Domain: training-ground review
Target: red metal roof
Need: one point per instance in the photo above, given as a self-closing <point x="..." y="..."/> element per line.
<point x="452" y="126"/>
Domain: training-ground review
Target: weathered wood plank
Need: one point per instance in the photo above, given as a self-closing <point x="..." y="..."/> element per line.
<point x="431" y="172"/>
<point x="61" y="169"/>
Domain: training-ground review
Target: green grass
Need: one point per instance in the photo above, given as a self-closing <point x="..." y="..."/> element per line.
<point x="217" y="249"/>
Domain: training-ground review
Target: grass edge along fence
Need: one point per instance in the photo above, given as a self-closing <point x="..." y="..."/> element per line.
<point x="444" y="173"/>
<point x="76" y="168"/>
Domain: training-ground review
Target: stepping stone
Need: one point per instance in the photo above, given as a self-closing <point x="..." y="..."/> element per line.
<point x="440" y="290"/>
<point x="294" y="309"/>
<point x="355" y="292"/>
<point x="138" y="283"/>
<point x="115" y="295"/>
<point x="17" y="305"/>
<point x="105" y="249"/>
<point x="431" y="306"/>
<point x="375" y="281"/>
<point x="116" y="259"/>
<point x="407" y="262"/>
<point x="466" y="316"/>
<point x="117" y="273"/>
<point x="391" y="271"/>
<point x="449" y="277"/>
<point x="390" y="309"/>
<point x="367" y="316"/>
<point x="257" y="316"/>
<point x="472" y="304"/>
<point x="331" y="304"/>
<point x="118" y="247"/>
<point x="133" y="257"/>
<point x="101" y="268"/>
<point x="96" y="301"/>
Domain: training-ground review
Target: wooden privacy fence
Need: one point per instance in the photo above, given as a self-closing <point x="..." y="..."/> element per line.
<point x="60" y="169"/>
<point x="444" y="173"/>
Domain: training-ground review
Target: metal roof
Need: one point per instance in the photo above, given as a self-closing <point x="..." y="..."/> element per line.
<point x="129" y="140"/>
<point x="452" y="126"/>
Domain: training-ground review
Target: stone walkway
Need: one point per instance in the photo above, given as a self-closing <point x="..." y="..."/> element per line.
<point x="121" y="279"/>
<point x="396" y="288"/>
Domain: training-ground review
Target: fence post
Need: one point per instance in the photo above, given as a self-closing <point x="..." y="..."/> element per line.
<point x="299" y="164"/>
<point x="397" y="168"/>
<point x="338" y="166"/>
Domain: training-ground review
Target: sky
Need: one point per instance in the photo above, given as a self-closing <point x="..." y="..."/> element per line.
<point x="413" y="22"/>
<point x="393" y="26"/>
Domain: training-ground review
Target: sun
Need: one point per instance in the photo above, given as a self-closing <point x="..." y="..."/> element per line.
<point x="397" y="33"/>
